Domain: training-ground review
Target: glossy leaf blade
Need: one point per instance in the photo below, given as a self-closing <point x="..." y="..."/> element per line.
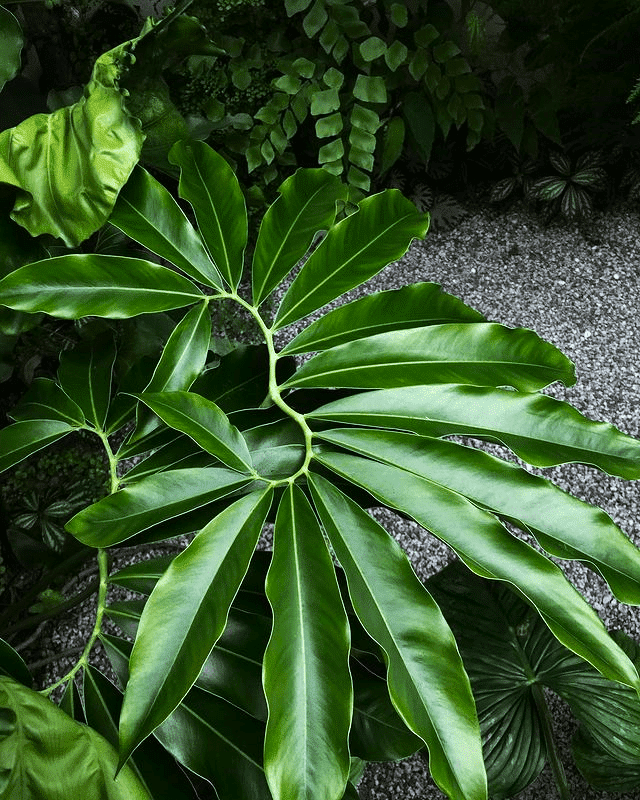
<point x="44" y="753"/>
<point x="85" y="375"/>
<point x="541" y="430"/>
<point x="11" y="44"/>
<point x="185" y="615"/>
<point x="353" y="251"/>
<point x="489" y="550"/>
<point x="151" y="501"/>
<point x="482" y="353"/>
<point x="565" y="526"/>
<point x="204" y="422"/>
<point x="306" y="665"/>
<point x="147" y="212"/>
<point x="46" y="400"/>
<point x="85" y="285"/>
<point x="12" y="664"/>
<point x="211" y="187"/>
<point x="427" y="681"/>
<point x="241" y="380"/>
<point x="182" y="360"/>
<point x="22" y="439"/>
<point x="395" y="309"/>
<point x="306" y="205"/>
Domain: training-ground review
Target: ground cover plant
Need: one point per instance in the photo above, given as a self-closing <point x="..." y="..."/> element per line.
<point x="348" y="662"/>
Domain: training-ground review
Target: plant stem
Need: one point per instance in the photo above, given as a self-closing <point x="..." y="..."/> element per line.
<point x="71" y="651"/>
<point x="103" y="565"/>
<point x="552" y="752"/>
<point x="45" y="615"/>
<point x="114" y="481"/>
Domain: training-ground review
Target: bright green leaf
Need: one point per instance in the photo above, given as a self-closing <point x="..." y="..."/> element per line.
<point x="333" y="151"/>
<point x="329" y="126"/>
<point x="333" y="78"/>
<point x="325" y="102"/>
<point x="396" y="55"/>
<point x="372" y="48"/>
<point x="22" y="439"/>
<point x="364" y="118"/>
<point x="370" y="88"/>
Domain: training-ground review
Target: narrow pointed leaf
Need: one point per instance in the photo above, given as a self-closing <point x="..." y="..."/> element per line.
<point x="182" y="360"/>
<point x="482" y="353"/>
<point x="147" y="212"/>
<point x="151" y="501"/>
<point x="85" y="285"/>
<point x="306" y="673"/>
<point x="565" y="526"/>
<point x="204" y="422"/>
<point x="71" y="702"/>
<point x="541" y="430"/>
<point x="85" y="375"/>
<point x="396" y="309"/>
<point x="489" y="550"/>
<point x="241" y="380"/>
<point x="12" y="664"/>
<point x="22" y="439"/>
<point x="306" y="205"/>
<point x="183" y="453"/>
<point x="185" y="615"/>
<point x="353" y="251"/>
<point x="427" y="681"/>
<point x="210" y="185"/>
<point x="46" y="400"/>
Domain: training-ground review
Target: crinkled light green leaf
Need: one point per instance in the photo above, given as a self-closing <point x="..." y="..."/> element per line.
<point x="306" y="205"/>
<point x="185" y="615"/>
<point x="202" y="421"/>
<point x="481" y="353"/>
<point x="427" y="681"/>
<point x="44" y="753"/>
<point x="69" y="166"/>
<point x="353" y="251"/>
<point x="151" y="501"/>
<point x="46" y="400"/>
<point x="395" y="309"/>
<point x="306" y="672"/>
<point x="11" y="43"/>
<point x="85" y="375"/>
<point x="22" y="439"/>
<point x="541" y="430"/>
<point x="211" y="187"/>
<point x="147" y="212"/>
<point x="489" y="550"/>
<point x="82" y="285"/>
<point x="565" y="526"/>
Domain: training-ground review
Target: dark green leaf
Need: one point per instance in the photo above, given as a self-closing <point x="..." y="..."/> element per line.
<point x="12" y="665"/>
<point x="481" y="353"/>
<point x="392" y="144"/>
<point x="71" y="702"/>
<point x="151" y="501"/>
<point x="147" y="212"/>
<point x="46" y="400"/>
<point x="11" y="43"/>
<point x="210" y="185"/>
<point x="277" y="448"/>
<point x="182" y="453"/>
<point x="396" y="55"/>
<point x="306" y="205"/>
<point x="421" y="122"/>
<point x="22" y="439"/>
<point x="353" y="251"/>
<point x="85" y="375"/>
<point x="84" y="285"/>
<point x="315" y="19"/>
<point x="306" y="674"/>
<point x="240" y="381"/>
<point x="427" y="682"/>
<point x="185" y="615"/>
<point x="541" y="430"/>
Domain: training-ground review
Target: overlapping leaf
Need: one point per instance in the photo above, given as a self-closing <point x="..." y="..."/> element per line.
<point x="85" y="376"/>
<point x="22" y="439"/>
<point x="11" y="43"/>
<point x="46" y="400"/>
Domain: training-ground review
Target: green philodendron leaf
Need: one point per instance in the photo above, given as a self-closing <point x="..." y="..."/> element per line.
<point x="208" y="735"/>
<point x="44" y="753"/>
<point x="85" y="375"/>
<point x="182" y="360"/>
<point x="565" y="526"/>
<point x="306" y="205"/>
<point x="306" y="673"/>
<point x="185" y="615"/>
<point x="353" y="251"/>
<point x="147" y="212"/>
<point x="12" y="664"/>
<point x="22" y="439"/>
<point x="151" y="501"/>
<point x="211" y="187"/>
<point x="481" y="353"/>
<point x="541" y="430"/>
<point x="11" y="44"/>
<point x="70" y="165"/>
<point x="600" y="769"/>
<point x="154" y="767"/>
<point x="76" y="286"/>
<point x="395" y="309"/>
<point x="427" y="681"/>
<point x="204" y="422"/>
<point x="46" y="400"/>
<point x="489" y="550"/>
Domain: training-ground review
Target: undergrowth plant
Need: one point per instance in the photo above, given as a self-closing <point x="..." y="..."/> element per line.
<point x="309" y="443"/>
